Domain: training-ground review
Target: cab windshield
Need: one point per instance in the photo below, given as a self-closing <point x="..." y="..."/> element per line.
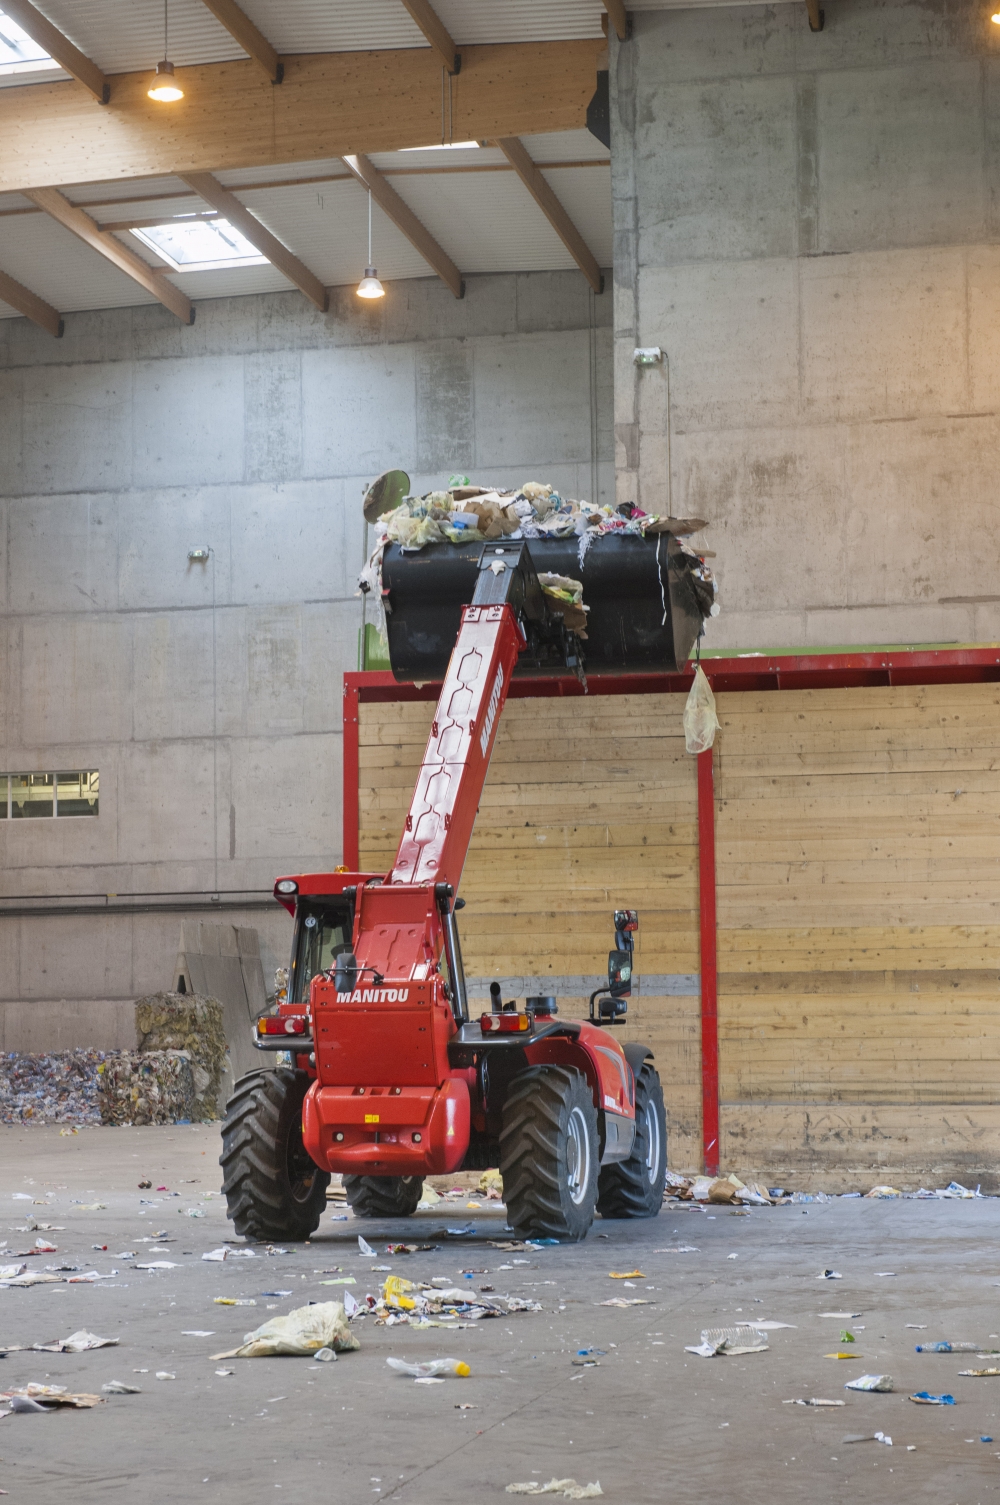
<point x="322" y="932"/>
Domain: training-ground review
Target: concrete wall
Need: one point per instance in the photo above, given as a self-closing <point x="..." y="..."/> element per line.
<point x="809" y="225"/>
<point x="209" y="695"/>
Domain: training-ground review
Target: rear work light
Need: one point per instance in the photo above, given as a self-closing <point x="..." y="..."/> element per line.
<point x="276" y="1025"/>
<point x="287" y="886"/>
<point x="504" y="1024"/>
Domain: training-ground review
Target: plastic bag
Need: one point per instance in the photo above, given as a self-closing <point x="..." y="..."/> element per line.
<point x="304" y="1331"/>
<point x="700" y="721"/>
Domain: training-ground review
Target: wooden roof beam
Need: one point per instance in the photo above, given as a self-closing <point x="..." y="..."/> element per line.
<point x="436" y="33"/>
<point x="618" y="16"/>
<point x="816" y="16"/>
<point x="405" y="220"/>
<point x="81" y="225"/>
<point x="59" y="47"/>
<point x="240" y="26"/>
<point x="517" y="155"/>
<point x="238" y="215"/>
<point x="329" y="104"/>
<point x="31" y="305"/>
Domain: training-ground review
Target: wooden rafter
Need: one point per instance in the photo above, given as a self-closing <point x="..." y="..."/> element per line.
<point x="81" y="224"/>
<point x="329" y="105"/>
<point x="516" y="154"/>
<point x="405" y="220"/>
<point x="30" y="304"/>
<point x="212" y="191"/>
<point x="240" y="26"/>
<point x="618" y="16"/>
<point x="436" y="33"/>
<point x="815" y="14"/>
<point x="59" y="47"/>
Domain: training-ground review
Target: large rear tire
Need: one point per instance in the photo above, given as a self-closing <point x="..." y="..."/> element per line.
<point x="633" y="1188"/>
<point x="383" y="1196"/>
<point x="549" y="1154"/>
<point x="273" y="1188"/>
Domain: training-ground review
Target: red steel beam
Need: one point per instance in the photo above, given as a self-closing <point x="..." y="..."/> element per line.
<point x="352" y="772"/>
<point x="709" y="965"/>
<point x="751" y="672"/>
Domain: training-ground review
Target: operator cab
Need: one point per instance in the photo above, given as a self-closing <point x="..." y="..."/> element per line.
<point x="322" y="932"/>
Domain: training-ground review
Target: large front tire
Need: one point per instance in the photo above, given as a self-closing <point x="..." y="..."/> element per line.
<point x="549" y="1154"/>
<point x="383" y="1196"/>
<point x="633" y="1188"/>
<point x="273" y="1188"/>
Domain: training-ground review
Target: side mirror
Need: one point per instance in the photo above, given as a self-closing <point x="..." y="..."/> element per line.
<point x="345" y="977"/>
<point x="620" y="973"/>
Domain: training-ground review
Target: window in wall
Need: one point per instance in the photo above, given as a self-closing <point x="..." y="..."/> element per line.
<point x="200" y="245"/>
<point x="18" y="53"/>
<point x="45" y="796"/>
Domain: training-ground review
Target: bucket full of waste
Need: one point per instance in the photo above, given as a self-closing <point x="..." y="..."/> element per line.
<point x="626" y="584"/>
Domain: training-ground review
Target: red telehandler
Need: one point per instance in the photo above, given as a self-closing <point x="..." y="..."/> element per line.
<point x="392" y="1079"/>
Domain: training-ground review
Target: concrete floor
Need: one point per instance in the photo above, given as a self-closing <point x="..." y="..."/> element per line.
<point x="652" y="1422"/>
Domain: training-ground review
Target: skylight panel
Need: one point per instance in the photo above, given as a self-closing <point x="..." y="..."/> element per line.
<point x="200" y="245"/>
<point x="18" y="53"/>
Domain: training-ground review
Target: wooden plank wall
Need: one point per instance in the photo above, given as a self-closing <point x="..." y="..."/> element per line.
<point x="858" y="852"/>
<point x="858" y="855"/>
<point x="590" y="805"/>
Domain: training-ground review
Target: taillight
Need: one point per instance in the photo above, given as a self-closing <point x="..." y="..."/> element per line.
<point x="295" y="1024"/>
<point x="504" y="1024"/>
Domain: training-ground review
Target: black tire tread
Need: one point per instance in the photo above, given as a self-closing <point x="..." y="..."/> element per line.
<point x="531" y="1154"/>
<point x="263" y="1116"/>
<point x="624" y="1189"/>
<point x="383" y="1196"/>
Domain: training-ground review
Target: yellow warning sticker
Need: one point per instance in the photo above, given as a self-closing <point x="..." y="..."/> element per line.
<point x="371" y="1118"/>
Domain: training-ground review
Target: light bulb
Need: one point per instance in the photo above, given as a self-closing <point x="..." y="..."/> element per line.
<point x="995" y="18"/>
<point x="369" y="286"/>
<point x="165" y="87"/>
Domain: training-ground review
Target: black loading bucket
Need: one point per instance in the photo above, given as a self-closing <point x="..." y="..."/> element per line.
<point x="646" y="608"/>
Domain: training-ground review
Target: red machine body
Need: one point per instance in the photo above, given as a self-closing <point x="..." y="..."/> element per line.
<point x="402" y="1077"/>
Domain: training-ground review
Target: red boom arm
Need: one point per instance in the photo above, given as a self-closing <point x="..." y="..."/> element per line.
<point x="457" y="757"/>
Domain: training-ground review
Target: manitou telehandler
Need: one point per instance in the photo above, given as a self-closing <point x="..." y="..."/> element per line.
<point x="392" y="1079"/>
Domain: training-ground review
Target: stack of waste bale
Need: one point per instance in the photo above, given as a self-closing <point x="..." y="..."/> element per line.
<point x="176" y="1072"/>
<point x="156" y="1088"/>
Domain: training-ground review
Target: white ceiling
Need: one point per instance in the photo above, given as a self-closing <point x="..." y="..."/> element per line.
<point x="471" y="201"/>
<point x="123" y="36"/>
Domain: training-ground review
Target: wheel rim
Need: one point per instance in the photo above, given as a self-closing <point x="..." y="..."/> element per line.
<point x="577" y="1157"/>
<point x="652" y="1144"/>
<point x="302" y="1170"/>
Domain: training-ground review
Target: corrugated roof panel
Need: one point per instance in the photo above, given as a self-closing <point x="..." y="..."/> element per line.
<point x="92" y="195"/>
<point x="125" y="38"/>
<point x="51" y="261"/>
<point x="566" y="146"/>
<point x="356" y="25"/>
<point x="479" y="21"/>
<point x="327" y="228"/>
<point x="490" y="223"/>
<point x="343" y="26"/>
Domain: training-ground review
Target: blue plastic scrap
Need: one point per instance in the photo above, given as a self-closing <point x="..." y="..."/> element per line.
<point x="933" y="1400"/>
